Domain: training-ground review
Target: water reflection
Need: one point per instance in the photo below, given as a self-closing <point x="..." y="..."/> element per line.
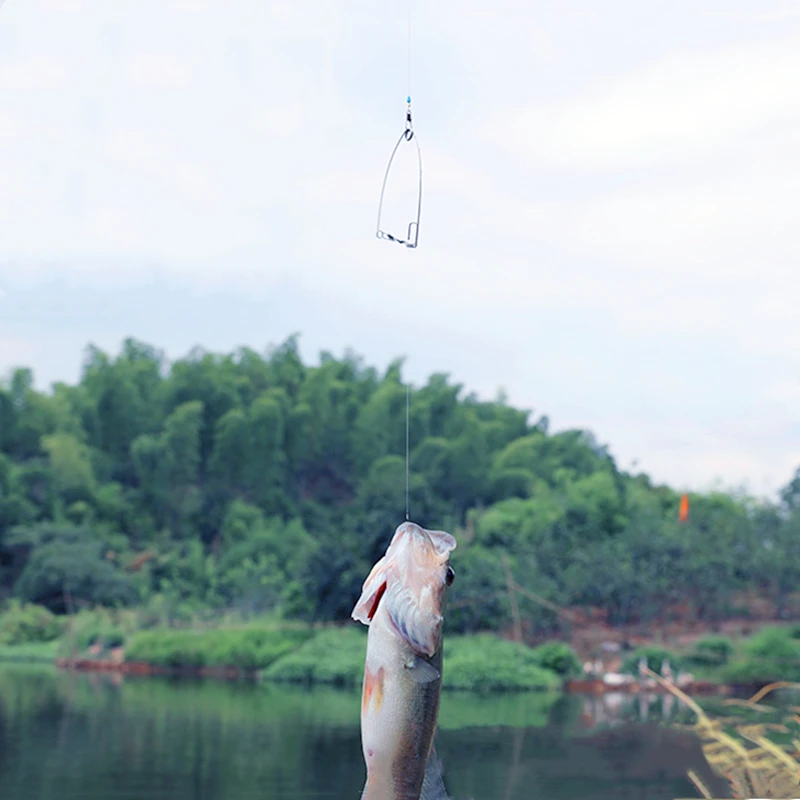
<point x="617" y="708"/>
<point x="66" y="736"/>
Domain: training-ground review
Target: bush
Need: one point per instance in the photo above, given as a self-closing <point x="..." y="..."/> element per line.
<point x="748" y="672"/>
<point x="759" y="672"/>
<point x="244" y="648"/>
<point x="89" y="628"/>
<point x="69" y="561"/>
<point x="167" y="648"/>
<point x="114" y="639"/>
<point x="28" y="623"/>
<point x="482" y="662"/>
<point x="771" y="655"/>
<point x="775" y="644"/>
<point x="106" y="635"/>
<point x="558" y="657"/>
<point x="712" y="651"/>
<point x="487" y="662"/>
<point x="334" y="656"/>
<point x="255" y="648"/>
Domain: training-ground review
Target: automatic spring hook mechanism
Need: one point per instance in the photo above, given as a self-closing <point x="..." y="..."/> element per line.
<point x="412" y="233"/>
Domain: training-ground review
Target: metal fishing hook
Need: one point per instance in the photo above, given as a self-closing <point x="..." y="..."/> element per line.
<point x="412" y="233"/>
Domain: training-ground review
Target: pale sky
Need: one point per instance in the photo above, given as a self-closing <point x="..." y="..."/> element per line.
<point x="610" y="215"/>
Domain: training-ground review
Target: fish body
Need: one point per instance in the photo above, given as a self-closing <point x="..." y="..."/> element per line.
<point x="401" y="602"/>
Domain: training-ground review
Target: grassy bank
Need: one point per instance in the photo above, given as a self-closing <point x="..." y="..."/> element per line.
<point x="284" y="653"/>
<point x="248" y="649"/>
<point x="772" y="654"/>
<point x="277" y="652"/>
<point x="32" y="653"/>
<point x="481" y="662"/>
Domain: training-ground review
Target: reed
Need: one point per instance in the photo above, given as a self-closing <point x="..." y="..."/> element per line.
<point x="753" y="764"/>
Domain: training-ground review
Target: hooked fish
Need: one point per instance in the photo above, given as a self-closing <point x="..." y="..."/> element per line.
<point x="401" y="602"/>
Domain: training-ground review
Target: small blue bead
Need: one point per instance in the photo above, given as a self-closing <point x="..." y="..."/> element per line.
<point x="408" y="99"/>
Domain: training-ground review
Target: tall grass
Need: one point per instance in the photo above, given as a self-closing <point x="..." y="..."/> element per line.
<point x="31" y="653"/>
<point x="753" y="763"/>
<point x="248" y="648"/>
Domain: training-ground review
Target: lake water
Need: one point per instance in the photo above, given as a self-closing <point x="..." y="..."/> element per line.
<point x="99" y="737"/>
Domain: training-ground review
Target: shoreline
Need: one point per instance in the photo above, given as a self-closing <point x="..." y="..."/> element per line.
<point x="576" y="686"/>
<point x="483" y="662"/>
<point x="142" y="668"/>
<point x="599" y="686"/>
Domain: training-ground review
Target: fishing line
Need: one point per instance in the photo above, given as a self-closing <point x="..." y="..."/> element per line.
<point x="408" y="399"/>
<point x="408" y="384"/>
<point x="409" y="51"/>
<point x="409" y="239"/>
<point x="410" y="236"/>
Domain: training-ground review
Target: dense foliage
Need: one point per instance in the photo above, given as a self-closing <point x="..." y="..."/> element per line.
<point x="261" y="483"/>
<point x="27" y="624"/>
<point x="484" y="662"/>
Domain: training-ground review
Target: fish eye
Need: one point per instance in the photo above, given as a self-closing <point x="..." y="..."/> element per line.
<point x="449" y="575"/>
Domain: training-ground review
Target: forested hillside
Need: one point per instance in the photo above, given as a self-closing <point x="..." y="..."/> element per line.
<point x="258" y="482"/>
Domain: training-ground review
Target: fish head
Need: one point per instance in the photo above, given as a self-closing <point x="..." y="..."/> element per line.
<point x="422" y="558"/>
<point x="411" y="580"/>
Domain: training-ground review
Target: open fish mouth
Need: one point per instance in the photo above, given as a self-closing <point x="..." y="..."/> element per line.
<point x="410" y="580"/>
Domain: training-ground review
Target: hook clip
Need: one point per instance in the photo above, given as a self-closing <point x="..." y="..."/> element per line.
<point x="412" y="233"/>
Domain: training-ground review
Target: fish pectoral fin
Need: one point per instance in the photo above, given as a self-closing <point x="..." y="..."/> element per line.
<point x="433" y="787"/>
<point x="421" y="671"/>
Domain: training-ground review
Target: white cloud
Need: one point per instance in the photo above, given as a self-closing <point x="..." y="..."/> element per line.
<point x="702" y="219"/>
<point x="159" y="71"/>
<point x="684" y="105"/>
<point x="16" y="351"/>
<point x="609" y="213"/>
<point x="40" y="72"/>
<point x="12" y="127"/>
<point x="781" y="13"/>
<point x="784" y="393"/>
<point x="63" y="6"/>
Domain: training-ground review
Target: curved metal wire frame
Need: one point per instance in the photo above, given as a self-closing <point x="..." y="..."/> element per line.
<point x="413" y="226"/>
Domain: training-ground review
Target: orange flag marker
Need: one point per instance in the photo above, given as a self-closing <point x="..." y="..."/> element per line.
<point x="683" y="511"/>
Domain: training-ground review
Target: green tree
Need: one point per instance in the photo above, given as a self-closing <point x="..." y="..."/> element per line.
<point x="68" y="567"/>
<point x="257" y="481"/>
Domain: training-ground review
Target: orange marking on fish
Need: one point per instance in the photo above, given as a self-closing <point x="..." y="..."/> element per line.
<point x="379" y="690"/>
<point x="369" y="686"/>
<point x="373" y="686"/>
